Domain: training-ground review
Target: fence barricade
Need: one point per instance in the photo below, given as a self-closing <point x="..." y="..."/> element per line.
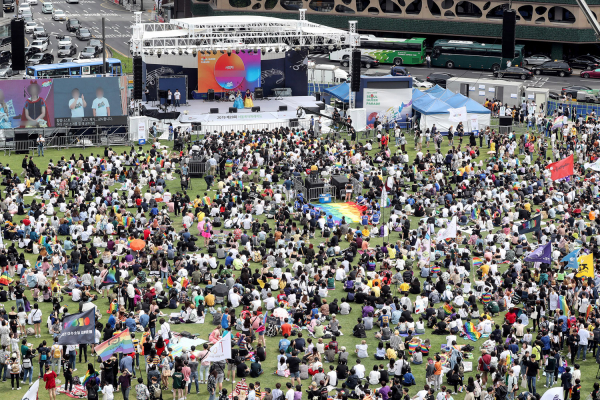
<point x="315" y="192"/>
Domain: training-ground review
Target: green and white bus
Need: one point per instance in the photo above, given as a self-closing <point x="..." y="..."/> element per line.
<point x="387" y="50"/>
<point x="472" y="55"/>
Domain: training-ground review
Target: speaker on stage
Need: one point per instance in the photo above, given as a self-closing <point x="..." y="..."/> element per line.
<point x="509" y="23"/>
<point x="137" y="78"/>
<point x="340" y="182"/>
<point x="214" y="110"/>
<point x="233" y="110"/>
<point x="321" y="105"/>
<point x="317" y="96"/>
<point x="255" y="109"/>
<point x="210" y="95"/>
<point x="258" y="94"/>
<point x="355" y="73"/>
<point x="505" y="121"/>
<point x="282" y="108"/>
<point x="17" y="44"/>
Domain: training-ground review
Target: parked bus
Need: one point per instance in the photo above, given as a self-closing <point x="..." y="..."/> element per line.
<point x="472" y="55"/>
<point x="387" y="50"/>
<point x="75" y="68"/>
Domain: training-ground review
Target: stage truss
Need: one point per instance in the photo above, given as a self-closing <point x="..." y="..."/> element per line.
<point x="190" y="36"/>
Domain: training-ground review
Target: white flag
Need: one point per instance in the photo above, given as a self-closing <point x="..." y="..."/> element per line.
<point x="554" y="394"/>
<point x="384" y="198"/>
<point x="221" y="350"/>
<point x="32" y="393"/>
<point x="449" y="232"/>
<point x="458" y="114"/>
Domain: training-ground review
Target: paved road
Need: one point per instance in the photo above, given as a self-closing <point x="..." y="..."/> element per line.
<point x="90" y="13"/>
<point x="554" y="83"/>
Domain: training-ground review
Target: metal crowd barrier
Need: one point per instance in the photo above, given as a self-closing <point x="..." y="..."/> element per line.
<point x="315" y="192"/>
<point x="211" y="129"/>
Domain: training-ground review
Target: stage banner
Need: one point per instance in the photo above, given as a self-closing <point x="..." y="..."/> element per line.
<point x="387" y="105"/>
<point x="224" y="72"/>
<point x="27" y="103"/>
<point x="79" y="328"/>
<point x="296" y="72"/>
<point x="249" y="118"/>
<point x="561" y="169"/>
<point x="272" y="75"/>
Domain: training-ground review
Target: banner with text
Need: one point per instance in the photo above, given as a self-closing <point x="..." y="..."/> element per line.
<point x="79" y="328"/>
<point x="387" y="105"/>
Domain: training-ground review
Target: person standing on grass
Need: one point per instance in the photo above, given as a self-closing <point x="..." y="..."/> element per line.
<point x="50" y="379"/>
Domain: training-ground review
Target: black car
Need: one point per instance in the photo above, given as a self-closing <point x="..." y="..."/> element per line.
<point x="365" y="61"/>
<point x="30" y="51"/>
<point x="83" y="34"/>
<point x="67" y="50"/>
<point x="516" y="72"/>
<point x="573" y="89"/>
<point x="5" y="56"/>
<point x="560" y="68"/>
<point x="89" y="52"/>
<point x="439" y="78"/>
<point x="584" y="62"/>
<point x="41" y="58"/>
<point x="97" y="43"/>
<point x="5" y="41"/>
<point x="73" y="24"/>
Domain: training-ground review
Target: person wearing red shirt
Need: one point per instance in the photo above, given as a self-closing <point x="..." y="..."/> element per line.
<point x="286" y="328"/>
<point x="50" y="379"/>
<point x="511" y="316"/>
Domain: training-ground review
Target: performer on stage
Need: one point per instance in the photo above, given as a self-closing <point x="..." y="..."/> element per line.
<point x="248" y="99"/>
<point x="238" y="103"/>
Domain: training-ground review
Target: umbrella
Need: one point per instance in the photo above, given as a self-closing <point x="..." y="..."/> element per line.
<point x="220" y="290"/>
<point x="137" y="244"/>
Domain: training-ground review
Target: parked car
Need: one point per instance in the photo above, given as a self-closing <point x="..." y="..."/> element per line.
<point x="421" y="84"/>
<point x="560" y="68"/>
<point x="439" y="78"/>
<point x="83" y="34"/>
<point x="590" y="73"/>
<point x="5" y="56"/>
<point x="41" y="58"/>
<point x="66" y="60"/>
<point x="73" y="24"/>
<point x="6" y="71"/>
<point x="58" y="15"/>
<point x="515" y="72"/>
<point x="89" y="52"/>
<point x="67" y="50"/>
<point x="584" y="62"/>
<point x="5" y="41"/>
<point x="47" y="8"/>
<point x="398" y="70"/>
<point x="365" y="61"/>
<point x="536" y="59"/>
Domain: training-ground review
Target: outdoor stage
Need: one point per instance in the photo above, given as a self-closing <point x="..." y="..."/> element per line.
<point x="199" y="111"/>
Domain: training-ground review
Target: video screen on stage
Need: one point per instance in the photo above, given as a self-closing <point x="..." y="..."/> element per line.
<point x="90" y="101"/>
<point x="223" y="72"/>
<point x="26" y="103"/>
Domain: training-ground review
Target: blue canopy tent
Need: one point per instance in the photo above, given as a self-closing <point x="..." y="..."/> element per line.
<point x="340" y="92"/>
<point x="436" y="89"/>
<point x="434" y="108"/>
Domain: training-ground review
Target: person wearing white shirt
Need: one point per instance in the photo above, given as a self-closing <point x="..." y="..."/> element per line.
<point x="359" y="369"/>
<point x="76" y="294"/>
<point x="165" y="329"/>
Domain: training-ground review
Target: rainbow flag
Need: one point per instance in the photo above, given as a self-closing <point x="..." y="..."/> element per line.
<point x="111" y="277"/>
<point x="414" y="169"/>
<point x="470" y="332"/>
<point x="562" y="304"/>
<point x="185" y="282"/>
<point x="589" y="310"/>
<point x="116" y="208"/>
<point x="206" y="201"/>
<point x="448" y="309"/>
<point x="229" y="163"/>
<point x="112" y="307"/>
<point x="120" y="343"/>
<point x="127" y="221"/>
<point x="509" y="359"/>
<point x="350" y="210"/>
<point x="487" y="212"/>
<point x="87" y="377"/>
<point x="477" y="262"/>
<point x="43" y="240"/>
<point x="170" y="283"/>
<point x="474" y="213"/>
<point x="412" y="347"/>
<point x="5" y="279"/>
<point x="486" y="298"/>
<point x="425" y="349"/>
<point x="436" y="269"/>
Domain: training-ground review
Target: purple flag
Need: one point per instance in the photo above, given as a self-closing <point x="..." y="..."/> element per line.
<point x="541" y="254"/>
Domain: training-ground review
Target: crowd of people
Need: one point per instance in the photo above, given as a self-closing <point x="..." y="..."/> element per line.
<point x="369" y="298"/>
